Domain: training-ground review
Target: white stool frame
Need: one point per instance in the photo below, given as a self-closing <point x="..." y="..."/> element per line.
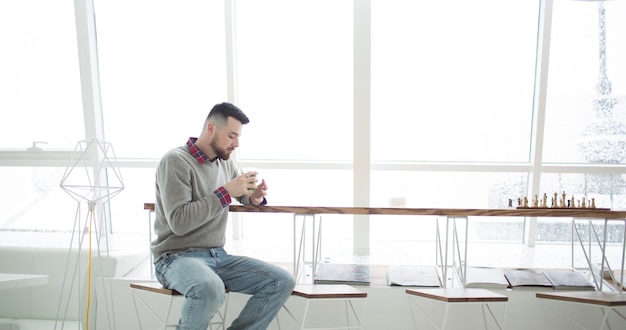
<point x="606" y="301"/>
<point x="485" y="307"/>
<point x="352" y="313"/>
<point x="155" y="288"/>
<point x="217" y="323"/>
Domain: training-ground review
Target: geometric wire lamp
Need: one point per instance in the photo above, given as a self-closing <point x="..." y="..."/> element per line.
<point x="87" y="177"/>
<point x="91" y="177"/>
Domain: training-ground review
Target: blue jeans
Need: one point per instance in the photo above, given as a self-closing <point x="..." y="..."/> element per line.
<point x="201" y="275"/>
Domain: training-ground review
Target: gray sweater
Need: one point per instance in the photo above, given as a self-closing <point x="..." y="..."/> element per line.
<point x="188" y="214"/>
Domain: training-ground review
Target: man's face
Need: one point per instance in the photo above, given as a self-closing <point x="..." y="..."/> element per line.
<point x="226" y="139"/>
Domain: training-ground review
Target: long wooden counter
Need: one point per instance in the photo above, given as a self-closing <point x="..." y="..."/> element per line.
<point x="450" y="213"/>
<point x="529" y="212"/>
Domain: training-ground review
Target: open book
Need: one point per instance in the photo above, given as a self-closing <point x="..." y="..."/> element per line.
<point x="486" y="277"/>
<point x="556" y="279"/>
<point x="331" y="273"/>
<point x="421" y="276"/>
<point x="527" y="279"/>
<point x="569" y="280"/>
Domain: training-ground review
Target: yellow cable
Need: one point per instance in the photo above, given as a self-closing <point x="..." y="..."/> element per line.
<point x="88" y="275"/>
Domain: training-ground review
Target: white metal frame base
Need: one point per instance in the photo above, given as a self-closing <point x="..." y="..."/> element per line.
<point x="352" y="313"/>
<point x="307" y="241"/>
<point x="486" y="311"/>
<point x="218" y="322"/>
<point x="451" y="236"/>
<point x="597" y="237"/>
<point x="605" y="310"/>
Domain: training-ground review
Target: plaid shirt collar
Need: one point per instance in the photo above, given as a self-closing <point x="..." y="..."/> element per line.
<point x="198" y="154"/>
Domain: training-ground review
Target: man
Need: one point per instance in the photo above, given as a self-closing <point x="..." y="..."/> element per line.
<point x="195" y="184"/>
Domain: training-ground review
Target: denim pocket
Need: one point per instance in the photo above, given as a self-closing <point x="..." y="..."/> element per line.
<point x="161" y="265"/>
<point x="165" y="260"/>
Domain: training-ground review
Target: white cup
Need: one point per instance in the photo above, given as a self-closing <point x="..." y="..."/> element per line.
<point x="253" y="169"/>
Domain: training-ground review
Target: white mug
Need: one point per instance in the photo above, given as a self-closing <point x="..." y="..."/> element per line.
<point x="252" y="169"/>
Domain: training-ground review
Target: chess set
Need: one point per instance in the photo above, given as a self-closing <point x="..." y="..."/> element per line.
<point x="556" y="203"/>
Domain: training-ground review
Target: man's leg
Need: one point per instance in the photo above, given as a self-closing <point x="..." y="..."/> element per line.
<point x="190" y="274"/>
<point x="269" y="285"/>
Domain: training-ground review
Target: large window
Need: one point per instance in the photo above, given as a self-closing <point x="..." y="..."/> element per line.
<point x="42" y="113"/>
<point x="162" y="68"/>
<point x="39" y="80"/>
<point x="294" y="79"/>
<point x="34" y="201"/>
<point x="453" y="117"/>
<point x="586" y="107"/>
<point x="453" y="80"/>
<point x="585" y="119"/>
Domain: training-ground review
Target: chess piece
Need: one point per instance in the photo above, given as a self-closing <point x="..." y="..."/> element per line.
<point x="555" y="200"/>
<point x="510" y="202"/>
<point x="544" y="200"/>
<point x="583" y="204"/>
<point x="536" y="201"/>
<point x="525" y="204"/>
<point x="573" y="204"/>
<point x="593" y="203"/>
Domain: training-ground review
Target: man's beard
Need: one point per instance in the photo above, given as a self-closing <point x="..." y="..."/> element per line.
<point x="221" y="153"/>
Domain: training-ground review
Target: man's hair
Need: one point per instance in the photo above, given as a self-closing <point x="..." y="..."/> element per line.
<point x="220" y="113"/>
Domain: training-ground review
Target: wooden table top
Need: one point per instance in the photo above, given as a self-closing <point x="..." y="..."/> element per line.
<point x="327" y="291"/>
<point x="587" y="297"/>
<point x="458" y="294"/>
<point x="459" y="212"/>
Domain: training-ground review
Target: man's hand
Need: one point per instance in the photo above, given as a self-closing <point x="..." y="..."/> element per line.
<point x="259" y="194"/>
<point x="244" y="184"/>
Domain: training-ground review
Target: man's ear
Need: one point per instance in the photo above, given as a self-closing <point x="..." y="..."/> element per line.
<point x="211" y="129"/>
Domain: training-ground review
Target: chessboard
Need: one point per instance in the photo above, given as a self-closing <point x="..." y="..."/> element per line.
<point x="557" y="203"/>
